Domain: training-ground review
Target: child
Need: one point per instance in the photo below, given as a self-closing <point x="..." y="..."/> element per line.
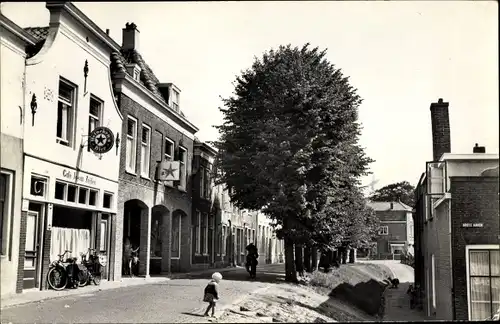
<point x="211" y="293"/>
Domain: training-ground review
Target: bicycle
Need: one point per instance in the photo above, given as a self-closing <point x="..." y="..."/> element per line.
<point x="92" y="267"/>
<point x="58" y="275"/>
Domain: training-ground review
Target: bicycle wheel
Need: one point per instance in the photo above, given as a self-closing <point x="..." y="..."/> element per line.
<point x="57" y="278"/>
<point x="83" y="278"/>
<point x="96" y="278"/>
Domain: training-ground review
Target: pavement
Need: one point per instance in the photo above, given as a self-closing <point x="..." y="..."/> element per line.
<point x="397" y="301"/>
<point x="150" y="300"/>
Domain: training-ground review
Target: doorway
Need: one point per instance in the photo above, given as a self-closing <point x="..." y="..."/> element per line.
<point x="34" y="237"/>
<point x="104" y="243"/>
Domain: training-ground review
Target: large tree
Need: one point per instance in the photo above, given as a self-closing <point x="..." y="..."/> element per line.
<point x="402" y="191"/>
<point x="289" y="145"/>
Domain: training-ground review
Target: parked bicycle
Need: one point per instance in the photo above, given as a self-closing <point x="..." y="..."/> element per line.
<point x="63" y="273"/>
<point x="92" y="267"/>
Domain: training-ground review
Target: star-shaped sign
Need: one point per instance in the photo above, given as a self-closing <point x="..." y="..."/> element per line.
<point x="100" y="139"/>
<point x="169" y="171"/>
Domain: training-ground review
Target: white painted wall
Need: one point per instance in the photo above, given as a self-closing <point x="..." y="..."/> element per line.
<point x="11" y="104"/>
<point x="64" y="55"/>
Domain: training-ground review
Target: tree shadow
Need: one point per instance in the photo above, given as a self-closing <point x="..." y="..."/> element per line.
<point x="192" y="314"/>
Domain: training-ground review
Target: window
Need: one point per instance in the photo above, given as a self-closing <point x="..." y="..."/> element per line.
<point x="103" y="242"/>
<point x="71" y="193"/>
<point x="484" y="282"/>
<point x="65" y="113"/>
<point x="202" y="181"/>
<point x="75" y="194"/>
<point x="107" y="200"/>
<point x="183" y="166"/>
<point x="145" y="150"/>
<point x="137" y="75"/>
<point x="6" y="189"/>
<point x="206" y="188"/>
<point x="82" y="195"/>
<point x="175" y="100"/>
<point x="204" y="232"/>
<point x="95" y="111"/>
<point x="383" y="230"/>
<point x="38" y="186"/>
<point x="169" y="150"/>
<point x="93" y="198"/>
<point x="197" y="232"/>
<point x="176" y="236"/>
<point x="131" y="144"/>
<point x="60" y="191"/>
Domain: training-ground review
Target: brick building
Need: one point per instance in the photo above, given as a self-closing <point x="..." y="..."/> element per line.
<point x="457" y="229"/>
<point x="154" y="215"/>
<point x="15" y="111"/>
<point x="396" y="229"/>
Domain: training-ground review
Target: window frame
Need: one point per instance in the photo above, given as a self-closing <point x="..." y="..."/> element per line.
<point x="183" y="166"/>
<point x="206" y="230"/>
<point x="133" y="139"/>
<point x="147" y="148"/>
<point x="72" y="104"/>
<point x="479" y="248"/>
<point x="172" y="150"/>
<point x="381" y="230"/>
<point x="7" y="213"/>
<point x="198" y="232"/>
<point x="111" y="197"/>
<point x="100" y="112"/>
<point x="176" y="100"/>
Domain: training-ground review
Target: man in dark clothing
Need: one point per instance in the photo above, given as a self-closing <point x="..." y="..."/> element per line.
<point x="252" y="260"/>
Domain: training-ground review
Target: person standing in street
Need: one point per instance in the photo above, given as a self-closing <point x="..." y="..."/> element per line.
<point x="211" y="293"/>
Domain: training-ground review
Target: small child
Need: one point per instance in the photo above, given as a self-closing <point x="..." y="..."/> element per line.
<point x="211" y="293"/>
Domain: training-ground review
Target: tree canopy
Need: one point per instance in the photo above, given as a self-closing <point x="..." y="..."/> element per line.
<point x="289" y="145"/>
<point x="402" y="191"/>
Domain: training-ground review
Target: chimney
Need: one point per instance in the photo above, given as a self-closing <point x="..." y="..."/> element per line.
<point x="130" y="37"/>
<point x="107" y="31"/>
<point x="479" y="149"/>
<point x="441" y="141"/>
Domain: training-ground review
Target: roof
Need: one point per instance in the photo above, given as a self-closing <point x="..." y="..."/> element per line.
<point x="40" y="33"/>
<point x="386" y="206"/>
<point x="11" y="26"/>
<point x="148" y="78"/>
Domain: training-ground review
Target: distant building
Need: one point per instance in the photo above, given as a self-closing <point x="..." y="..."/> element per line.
<point x="395" y="234"/>
<point x="457" y="229"/>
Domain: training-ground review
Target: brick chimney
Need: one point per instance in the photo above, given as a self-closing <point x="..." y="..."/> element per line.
<point x="441" y="141"/>
<point x="478" y="149"/>
<point x="130" y="37"/>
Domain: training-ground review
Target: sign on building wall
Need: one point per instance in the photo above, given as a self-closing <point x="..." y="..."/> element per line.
<point x="168" y="171"/>
<point x="101" y="140"/>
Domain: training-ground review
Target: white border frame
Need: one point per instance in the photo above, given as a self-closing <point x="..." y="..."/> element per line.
<point x="467" y="278"/>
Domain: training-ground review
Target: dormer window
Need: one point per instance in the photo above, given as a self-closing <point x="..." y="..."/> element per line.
<point x="134" y="70"/>
<point x="175" y="100"/>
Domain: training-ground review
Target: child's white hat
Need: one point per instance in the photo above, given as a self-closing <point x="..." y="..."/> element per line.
<point x="217" y="276"/>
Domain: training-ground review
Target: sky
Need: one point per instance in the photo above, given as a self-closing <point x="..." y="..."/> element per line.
<point x="400" y="55"/>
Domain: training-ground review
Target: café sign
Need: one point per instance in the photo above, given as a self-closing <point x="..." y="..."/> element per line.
<point x="72" y="176"/>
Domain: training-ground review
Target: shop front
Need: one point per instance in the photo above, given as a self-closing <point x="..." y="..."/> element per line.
<point x="63" y="209"/>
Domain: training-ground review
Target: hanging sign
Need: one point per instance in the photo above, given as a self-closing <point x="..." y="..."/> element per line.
<point x="169" y="171"/>
<point x="101" y="140"/>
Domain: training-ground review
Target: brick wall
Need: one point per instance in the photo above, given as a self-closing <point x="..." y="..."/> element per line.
<point x="441" y="142"/>
<point x="474" y="200"/>
<point x="150" y="192"/>
<point x="22" y="247"/>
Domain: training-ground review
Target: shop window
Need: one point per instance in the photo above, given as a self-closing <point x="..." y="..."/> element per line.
<point x="131" y="144"/>
<point x="82" y="195"/>
<point x="71" y="194"/>
<point x="93" y="198"/>
<point x="65" y="113"/>
<point x="6" y="179"/>
<point x="107" y="200"/>
<point x="60" y="190"/>
<point x="95" y="113"/>
<point x="38" y="186"/>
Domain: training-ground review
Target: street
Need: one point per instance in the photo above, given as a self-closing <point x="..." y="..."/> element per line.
<point x="177" y="300"/>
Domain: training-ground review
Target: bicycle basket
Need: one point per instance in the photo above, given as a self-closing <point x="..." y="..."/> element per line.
<point x="103" y="260"/>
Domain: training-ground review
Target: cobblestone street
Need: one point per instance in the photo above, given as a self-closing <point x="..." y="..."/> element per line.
<point x="177" y="300"/>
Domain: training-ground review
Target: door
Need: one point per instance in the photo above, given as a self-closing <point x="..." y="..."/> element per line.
<point x="104" y="242"/>
<point x="31" y="269"/>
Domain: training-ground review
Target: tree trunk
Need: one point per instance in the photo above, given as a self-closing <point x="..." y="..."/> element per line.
<point x="351" y="255"/>
<point x="334" y="257"/>
<point x="307" y="259"/>
<point x="299" y="259"/>
<point x="343" y="254"/>
<point x="290" y="274"/>
<point x="314" y="259"/>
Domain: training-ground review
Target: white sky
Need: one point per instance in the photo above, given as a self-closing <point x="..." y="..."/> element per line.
<point x="400" y="55"/>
